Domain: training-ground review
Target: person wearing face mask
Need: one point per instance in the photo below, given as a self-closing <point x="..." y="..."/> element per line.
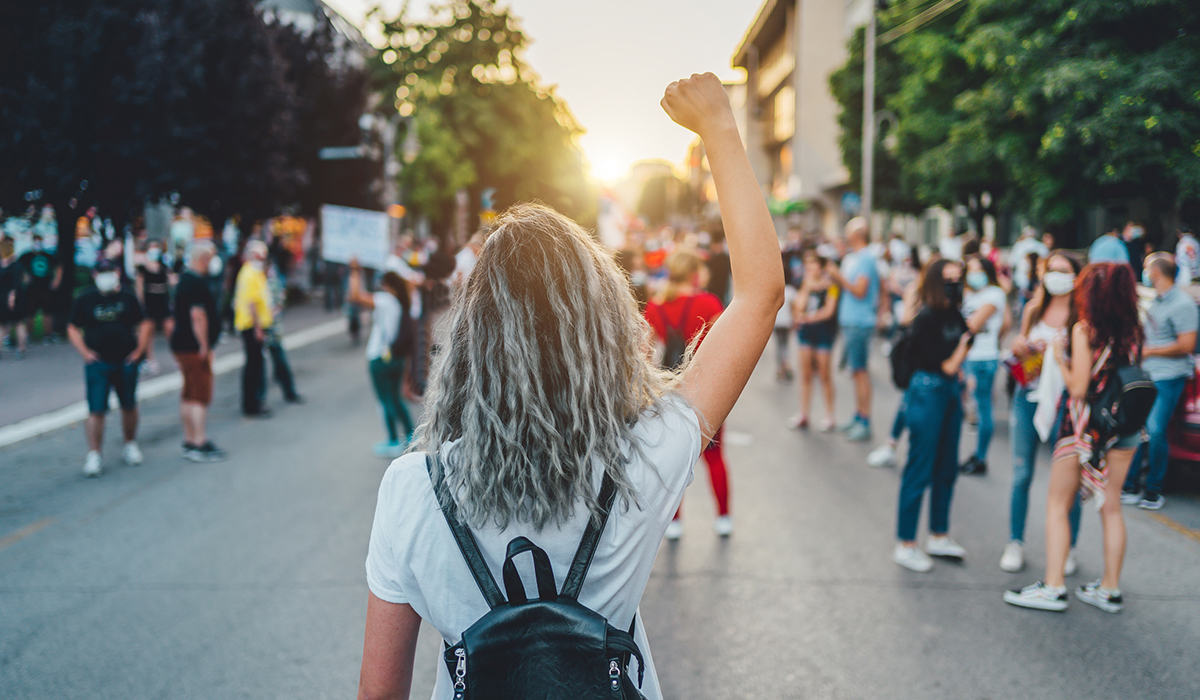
<point x="933" y="413"/>
<point x="1171" y="324"/>
<point x="109" y="330"/>
<point x="251" y="318"/>
<point x="1046" y="317"/>
<point x="42" y="275"/>
<point x="1134" y="236"/>
<point x="152" y="290"/>
<point x="984" y="307"/>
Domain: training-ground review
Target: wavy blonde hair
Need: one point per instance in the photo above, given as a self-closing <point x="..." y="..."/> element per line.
<point x="546" y="371"/>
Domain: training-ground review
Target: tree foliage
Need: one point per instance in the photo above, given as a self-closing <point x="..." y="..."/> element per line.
<point x="1051" y="106"/>
<point x="482" y="118"/>
<point x="143" y="98"/>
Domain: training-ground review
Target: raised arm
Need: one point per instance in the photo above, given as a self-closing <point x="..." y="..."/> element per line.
<point x="723" y="363"/>
<point x="355" y="294"/>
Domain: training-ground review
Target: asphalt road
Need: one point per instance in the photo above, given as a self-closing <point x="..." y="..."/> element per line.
<point x="244" y="579"/>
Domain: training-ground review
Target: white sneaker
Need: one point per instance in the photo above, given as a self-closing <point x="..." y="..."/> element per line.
<point x="91" y="465"/>
<point x="882" y="456"/>
<point x="723" y="525"/>
<point x="943" y="546"/>
<point x="1038" y="596"/>
<point x="1109" y="600"/>
<point x="674" y="530"/>
<point x="1071" y="565"/>
<point x="132" y="454"/>
<point x="912" y="558"/>
<point x="1013" y="559"/>
<point x="1130" y="498"/>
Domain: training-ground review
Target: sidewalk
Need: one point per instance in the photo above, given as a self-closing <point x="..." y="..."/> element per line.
<point x="50" y="378"/>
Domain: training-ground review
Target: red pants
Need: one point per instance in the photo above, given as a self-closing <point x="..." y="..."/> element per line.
<point x="717" y="474"/>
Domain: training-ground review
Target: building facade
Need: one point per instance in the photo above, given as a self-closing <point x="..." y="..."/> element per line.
<point x="790" y="115"/>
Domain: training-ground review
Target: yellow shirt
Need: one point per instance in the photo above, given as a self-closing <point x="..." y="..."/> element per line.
<point x="251" y="292"/>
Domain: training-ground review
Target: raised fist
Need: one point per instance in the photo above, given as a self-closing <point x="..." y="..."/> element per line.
<point x="698" y="103"/>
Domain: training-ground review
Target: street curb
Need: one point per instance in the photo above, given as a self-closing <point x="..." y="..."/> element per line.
<point x="151" y="388"/>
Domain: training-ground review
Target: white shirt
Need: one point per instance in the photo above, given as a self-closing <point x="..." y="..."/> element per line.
<point x="987" y="341"/>
<point x="385" y="322"/>
<point x="1187" y="257"/>
<point x="1018" y="257"/>
<point x="464" y="263"/>
<point x="413" y="558"/>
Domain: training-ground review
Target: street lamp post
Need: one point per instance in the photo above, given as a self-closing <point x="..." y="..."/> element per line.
<point x="868" y="127"/>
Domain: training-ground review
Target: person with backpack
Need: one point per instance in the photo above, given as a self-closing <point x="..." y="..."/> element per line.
<point x="681" y="315"/>
<point x="550" y="431"/>
<point x="1093" y="455"/>
<point x="933" y="413"/>
<point x="1037" y="409"/>
<point x="389" y="346"/>
<point x="814" y="312"/>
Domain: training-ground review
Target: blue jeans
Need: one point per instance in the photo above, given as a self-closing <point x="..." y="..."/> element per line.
<point x="1025" y="444"/>
<point x="984" y="372"/>
<point x="1169" y="392"/>
<point x="386" y="377"/>
<point x="856" y="348"/>
<point x="898" y="424"/>
<point x="934" y="416"/>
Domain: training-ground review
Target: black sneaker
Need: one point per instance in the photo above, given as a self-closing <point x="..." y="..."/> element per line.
<point x="974" y="467"/>
<point x="1151" y="501"/>
<point x="1038" y="596"/>
<point x="211" y="452"/>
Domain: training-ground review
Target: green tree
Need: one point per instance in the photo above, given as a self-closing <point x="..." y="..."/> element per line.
<point x="1090" y="101"/>
<point x="482" y="118"/>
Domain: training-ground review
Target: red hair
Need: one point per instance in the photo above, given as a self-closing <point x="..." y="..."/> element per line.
<point x="1106" y="297"/>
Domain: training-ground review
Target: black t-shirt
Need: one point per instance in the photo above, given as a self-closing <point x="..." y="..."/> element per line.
<point x="718" y="280"/>
<point x="109" y="322"/>
<point x="39" y="265"/>
<point x="192" y="291"/>
<point x="936" y="334"/>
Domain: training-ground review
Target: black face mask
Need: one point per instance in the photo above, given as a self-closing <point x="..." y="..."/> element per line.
<point x="954" y="292"/>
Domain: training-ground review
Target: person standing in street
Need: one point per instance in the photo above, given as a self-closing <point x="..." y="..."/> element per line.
<point x="1187" y="257"/>
<point x="933" y="414"/>
<point x="1109" y="248"/>
<point x="107" y="328"/>
<point x="1047" y="316"/>
<point x="12" y="304"/>
<point x="1171" y="324"/>
<point x="42" y="275"/>
<point x="546" y="398"/>
<point x="154" y="292"/>
<point x="281" y="368"/>
<point x="251" y="318"/>
<point x="858" y="313"/>
<point x="984" y="307"/>
<point x="814" y="313"/>
<point x="392" y="327"/>
<point x="683" y="314"/>
<point x="1106" y="336"/>
<point x="196" y="327"/>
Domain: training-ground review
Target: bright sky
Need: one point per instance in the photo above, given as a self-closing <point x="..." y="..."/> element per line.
<point x="611" y="61"/>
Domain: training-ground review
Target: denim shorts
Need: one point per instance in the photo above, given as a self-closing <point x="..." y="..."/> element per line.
<point x="1128" y="442"/>
<point x="857" y="346"/>
<point x="818" y="336"/>
<point x="102" y="377"/>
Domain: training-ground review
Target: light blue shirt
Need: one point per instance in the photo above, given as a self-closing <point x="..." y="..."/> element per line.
<point x="853" y="311"/>
<point x="1170" y="316"/>
<point x="1108" y="249"/>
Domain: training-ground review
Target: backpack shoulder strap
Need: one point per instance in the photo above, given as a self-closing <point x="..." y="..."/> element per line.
<point x="683" y="317"/>
<point x="591" y="537"/>
<point x="465" y="541"/>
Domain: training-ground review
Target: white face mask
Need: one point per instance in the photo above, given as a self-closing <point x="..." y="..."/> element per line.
<point x="154" y="255"/>
<point x="215" y="266"/>
<point x="108" y="282"/>
<point x="1058" y="283"/>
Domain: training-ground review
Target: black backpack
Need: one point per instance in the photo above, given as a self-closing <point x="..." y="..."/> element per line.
<point x="901" y="357"/>
<point x="406" y="334"/>
<point x="550" y="648"/>
<point x="675" y="343"/>
<point x="1124" y="404"/>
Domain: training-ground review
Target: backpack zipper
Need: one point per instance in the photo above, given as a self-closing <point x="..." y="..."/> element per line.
<point x="460" y="674"/>
<point x="614" y="676"/>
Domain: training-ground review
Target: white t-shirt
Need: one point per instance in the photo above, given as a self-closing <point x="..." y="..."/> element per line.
<point x="1187" y="257"/>
<point x="385" y="321"/>
<point x="1019" y="259"/>
<point x="987" y="341"/>
<point x="783" y="319"/>
<point x="413" y="558"/>
<point x="464" y="263"/>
